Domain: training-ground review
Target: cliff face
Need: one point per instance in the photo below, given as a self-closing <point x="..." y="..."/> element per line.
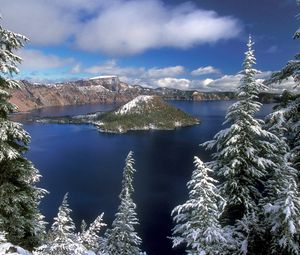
<point x="103" y="89"/>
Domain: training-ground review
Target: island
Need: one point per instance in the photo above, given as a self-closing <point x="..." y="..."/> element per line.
<point x="144" y="112"/>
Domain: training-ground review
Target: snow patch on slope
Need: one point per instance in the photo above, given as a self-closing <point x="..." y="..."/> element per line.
<point x="8" y="248"/>
<point x="133" y="105"/>
<point x="96" y="88"/>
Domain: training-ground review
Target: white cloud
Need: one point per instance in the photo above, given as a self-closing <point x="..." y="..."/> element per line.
<point x="111" y="68"/>
<point x="231" y="82"/>
<point x="76" y="69"/>
<point x="171" y="71"/>
<point x="207" y="81"/>
<point x="131" y="27"/>
<point x="224" y="83"/>
<point x="116" y="27"/>
<point x="272" y="49"/>
<point x="175" y="83"/>
<point x="36" y="60"/>
<point x="42" y="21"/>
<point x="204" y="70"/>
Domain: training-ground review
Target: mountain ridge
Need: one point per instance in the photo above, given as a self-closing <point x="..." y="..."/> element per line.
<point x="103" y="89"/>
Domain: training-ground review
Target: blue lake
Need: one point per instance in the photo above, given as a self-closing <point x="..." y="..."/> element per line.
<point x="88" y="164"/>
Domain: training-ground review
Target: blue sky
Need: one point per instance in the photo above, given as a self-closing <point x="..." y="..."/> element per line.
<point x="196" y="44"/>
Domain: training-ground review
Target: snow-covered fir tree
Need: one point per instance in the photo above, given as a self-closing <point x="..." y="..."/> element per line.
<point x="288" y="112"/>
<point x="122" y="238"/>
<point x="19" y="197"/>
<point x="282" y="201"/>
<point x="282" y="197"/>
<point x="197" y="220"/>
<point x="283" y="213"/>
<point x="243" y="156"/>
<point x="62" y="239"/>
<point x="89" y="237"/>
<point x="297" y="33"/>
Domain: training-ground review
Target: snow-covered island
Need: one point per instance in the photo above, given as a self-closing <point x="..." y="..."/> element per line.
<point x="141" y="113"/>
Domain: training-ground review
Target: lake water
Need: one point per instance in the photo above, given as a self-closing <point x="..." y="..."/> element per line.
<point x="88" y="164"/>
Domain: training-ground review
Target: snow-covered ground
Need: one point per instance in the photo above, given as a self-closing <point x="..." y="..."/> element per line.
<point x="97" y="88"/>
<point x="8" y="248"/>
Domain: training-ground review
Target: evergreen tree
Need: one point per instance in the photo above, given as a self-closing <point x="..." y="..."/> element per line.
<point x="19" y="197"/>
<point x="287" y="114"/>
<point x="282" y="201"/>
<point x="297" y="33"/>
<point x="243" y="157"/>
<point x="197" y="220"/>
<point x="289" y="109"/>
<point x="90" y="237"/>
<point x="239" y="159"/>
<point x="283" y="216"/>
<point x="122" y="239"/>
<point x="62" y="239"/>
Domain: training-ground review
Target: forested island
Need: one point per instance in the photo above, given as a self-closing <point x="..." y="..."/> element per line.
<point x="141" y="113"/>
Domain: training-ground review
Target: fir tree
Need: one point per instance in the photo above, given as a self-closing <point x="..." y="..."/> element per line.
<point x="297" y="33"/>
<point x="286" y="115"/>
<point x="197" y="220"/>
<point x="62" y="239"/>
<point x="283" y="217"/>
<point x="238" y="159"/>
<point x="289" y="109"/>
<point x="123" y="239"/>
<point x="282" y="201"/>
<point x="89" y="237"/>
<point x="243" y="157"/>
<point x="19" y="197"/>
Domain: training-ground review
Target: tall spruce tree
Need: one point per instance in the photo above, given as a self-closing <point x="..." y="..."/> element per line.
<point x="89" y="237"/>
<point x="123" y="239"/>
<point x="288" y="111"/>
<point x="282" y="201"/>
<point x="19" y="197"/>
<point x="282" y="211"/>
<point x="242" y="158"/>
<point x="197" y="220"/>
<point x="62" y="239"/>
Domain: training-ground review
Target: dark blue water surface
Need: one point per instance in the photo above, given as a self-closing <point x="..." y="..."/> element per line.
<point x="88" y="164"/>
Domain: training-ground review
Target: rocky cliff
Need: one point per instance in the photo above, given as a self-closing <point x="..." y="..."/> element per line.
<point x="102" y="89"/>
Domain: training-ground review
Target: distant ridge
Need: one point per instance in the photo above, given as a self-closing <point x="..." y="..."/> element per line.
<point x="101" y="89"/>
